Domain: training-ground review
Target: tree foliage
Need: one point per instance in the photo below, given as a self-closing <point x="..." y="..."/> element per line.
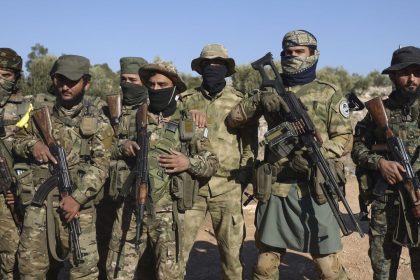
<point x="39" y="80"/>
<point x="104" y="81"/>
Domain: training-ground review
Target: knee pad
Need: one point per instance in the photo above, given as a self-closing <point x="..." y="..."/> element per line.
<point x="330" y="267"/>
<point x="267" y="264"/>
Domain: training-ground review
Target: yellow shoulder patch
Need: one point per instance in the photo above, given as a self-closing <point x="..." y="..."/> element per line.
<point x="24" y="121"/>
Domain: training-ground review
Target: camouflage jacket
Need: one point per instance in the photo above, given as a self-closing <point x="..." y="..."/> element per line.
<point x="325" y="107"/>
<point x="203" y="162"/>
<point x="235" y="148"/>
<point x="403" y="121"/>
<point x="87" y="153"/>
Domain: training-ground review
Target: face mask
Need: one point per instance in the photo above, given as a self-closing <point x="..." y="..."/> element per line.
<point x="293" y="65"/>
<point x="133" y="94"/>
<point x="214" y="78"/>
<point x="162" y="101"/>
<point x="6" y="89"/>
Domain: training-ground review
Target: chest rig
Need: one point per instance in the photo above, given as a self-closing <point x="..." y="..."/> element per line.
<point x="174" y="135"/>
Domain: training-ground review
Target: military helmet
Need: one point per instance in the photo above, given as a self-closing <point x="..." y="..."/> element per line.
<point x="73" y="67"/>
<point x="9" y="59"/>
<point x="299" y="38"/>
<point x="402" y="58"/>
<point x="164" y="68"/>
<point x="131" y="65"/>
<point x="213" y="51"/>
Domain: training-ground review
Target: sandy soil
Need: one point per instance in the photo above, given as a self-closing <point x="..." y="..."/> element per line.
<point x="204" y="262"/>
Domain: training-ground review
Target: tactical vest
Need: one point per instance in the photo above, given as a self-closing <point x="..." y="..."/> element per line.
<point x="31" y="176"/>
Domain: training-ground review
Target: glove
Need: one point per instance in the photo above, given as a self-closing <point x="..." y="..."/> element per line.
<point x="272" y="102"/>
<point x="300" y="164"/>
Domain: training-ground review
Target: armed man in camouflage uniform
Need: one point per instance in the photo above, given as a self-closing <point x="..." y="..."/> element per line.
<point x="221" y="197"/>
<point x="86" y="137"/>
<point x="178" y="156"/>
<point x="133" y="94"/>
<point x="390" y="219"/>
<point x="12" y="107"/>
<point x="291" y="213"/>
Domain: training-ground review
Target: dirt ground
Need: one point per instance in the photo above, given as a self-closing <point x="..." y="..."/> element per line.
<point x="204" y="261"/>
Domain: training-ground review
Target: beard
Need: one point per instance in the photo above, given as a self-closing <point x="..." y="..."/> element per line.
<point x="407" y="94"/>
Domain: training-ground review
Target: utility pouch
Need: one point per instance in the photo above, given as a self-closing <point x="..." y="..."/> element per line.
<point x="186" y="129"/>
<point x="281" y="140"/>
<point x="26" y="190"/>
<point x="184" y="188"/>
<point x="118" y="173"/>
<point x="88" y="126"/>
<point x="265" y="176"/>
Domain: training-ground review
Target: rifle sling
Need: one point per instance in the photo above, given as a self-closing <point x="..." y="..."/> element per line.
<point x="42" y="192"/>
<point x="51" y="233"/>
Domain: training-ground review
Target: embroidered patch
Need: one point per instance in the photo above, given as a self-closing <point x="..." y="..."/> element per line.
<point x="344" y="109"/>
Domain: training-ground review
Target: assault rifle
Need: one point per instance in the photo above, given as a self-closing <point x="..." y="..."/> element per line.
<point x="296" y="115"/>
<point x="6" y="181"/>
<point x="137" y="182"/>
<point x="60" y="177"/>
<point x="114" y="106"/>
<point x="395" y="147"/>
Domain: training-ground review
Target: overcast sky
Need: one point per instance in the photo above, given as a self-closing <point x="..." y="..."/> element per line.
<point x="358" y="35"/>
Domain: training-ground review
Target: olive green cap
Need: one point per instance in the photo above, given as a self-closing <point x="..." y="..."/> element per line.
<point x="9" y="59"/>
<point x="73" y="67"/>
<point x="131" y="65"/>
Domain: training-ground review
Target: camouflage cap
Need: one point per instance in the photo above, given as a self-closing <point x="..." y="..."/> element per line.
<point x="299" y="38"/>
<point x="213" y="51"/>
<point x="164" y="68"/>
<point x="10" y="59"/>
<point x="73" y="67"/>
<point x="402" y="58"/>
<point x="131" y="65"/>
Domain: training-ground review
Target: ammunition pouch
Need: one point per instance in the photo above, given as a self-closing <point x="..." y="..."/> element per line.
<point x="118" y="174"/>
<point x="184" y="188"/>
<point x="26" y="189"/>
<point x="186" y="129"/>
<point x="88" y="126"/>
<point x="281" y="140"/>
<point x="265" y="176"/>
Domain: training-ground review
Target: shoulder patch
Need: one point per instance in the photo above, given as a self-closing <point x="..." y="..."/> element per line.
<point x="344" y="109"/>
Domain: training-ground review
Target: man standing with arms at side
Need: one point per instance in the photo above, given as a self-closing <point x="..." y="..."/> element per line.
<point x="390" y="217"/>
<point x="222" y="196"/>
<point x="12" y="107"/>
<point x="292" y="212"/>
<point x="85" y="135"/>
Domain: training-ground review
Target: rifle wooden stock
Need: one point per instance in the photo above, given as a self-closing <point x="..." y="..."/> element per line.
<point x="376" y="109"/>
<point x="114" y="105"/>
<point x="43" y="122"/>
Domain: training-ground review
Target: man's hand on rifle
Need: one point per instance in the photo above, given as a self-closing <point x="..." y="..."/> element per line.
<point x="175" y="162"/>
<point x="272" y="102"/>
<point x="130" y="148"/>
<point x="199" y="118"/>
<point x="10" y="198"/>
<point x="70" y="207"/>
<point x="42" y="154"/>
<point x="391" y="171"/>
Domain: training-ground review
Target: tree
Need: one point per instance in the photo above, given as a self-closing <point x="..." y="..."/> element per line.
<point x="104" y="81"/>
<point x="39" y="80"/>
<point x="37" y="51"/>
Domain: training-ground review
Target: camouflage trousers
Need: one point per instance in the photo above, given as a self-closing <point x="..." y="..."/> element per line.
<point x="33" y="254"/>
<point x="228" y="224"/>
<point x="9" y="240"/>
<point x="268" y="262"/>
<point x="383" y="252"/>
<point x="158" y="237"/>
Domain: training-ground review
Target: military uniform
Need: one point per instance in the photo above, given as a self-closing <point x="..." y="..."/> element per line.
<point x="163" y="224"/>
<point x="86" y="137"/>
<point x="403" y="121"/>
<point x="221" y="197"/>
<point x="305" y="222"/>
<point x="13" y="107"/>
